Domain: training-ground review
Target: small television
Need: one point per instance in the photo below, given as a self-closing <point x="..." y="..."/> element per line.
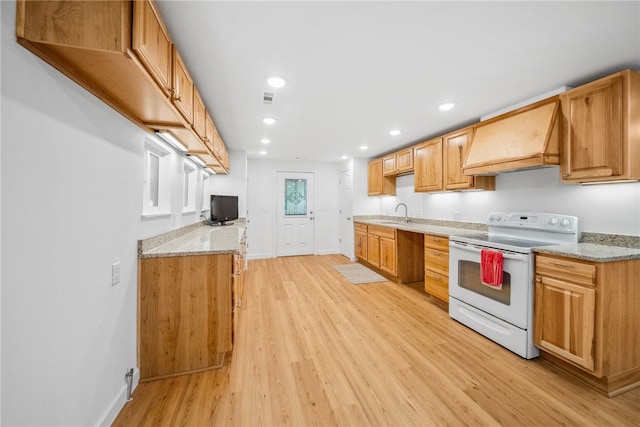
<point x="223" y="209"/>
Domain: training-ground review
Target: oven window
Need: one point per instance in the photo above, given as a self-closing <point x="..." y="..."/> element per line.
<point x="469" y="278"/>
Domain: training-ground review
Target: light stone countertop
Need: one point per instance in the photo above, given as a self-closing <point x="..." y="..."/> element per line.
<point x="591" y="249"/>
<point x="591" y="252"/>
<point x="202" y="240"/>
<point x="416" y="227"/>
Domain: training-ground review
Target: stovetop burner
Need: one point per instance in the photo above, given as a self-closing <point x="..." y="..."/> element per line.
<point x="521" y="231"/>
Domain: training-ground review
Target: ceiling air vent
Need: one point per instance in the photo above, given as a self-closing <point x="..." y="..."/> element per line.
<point x="267" y="98"/>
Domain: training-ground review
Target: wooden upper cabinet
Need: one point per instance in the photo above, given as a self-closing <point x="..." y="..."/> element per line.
<point x="209" y="131"/>
<point x="427" y="159"/>
<point x="389" y="165"/>
<point x="182" y="94"/>
<point x="152" y="43"/>
<point x="404" y="160"/>
<point x="601" y="122"/>
<point x="75" y="24"/>
<point x="199" y="116"/>
<point x="121" y="52"/>
<point x="455" y="146"/>
<point x="378" y="184"/>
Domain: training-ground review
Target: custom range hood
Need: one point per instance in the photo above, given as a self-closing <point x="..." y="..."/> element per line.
<point x="526" y="138"/>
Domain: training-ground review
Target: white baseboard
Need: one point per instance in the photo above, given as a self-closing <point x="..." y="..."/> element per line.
<point x="118" y="402"/>
<point x="260" y="256"/>
<point x="329" y="252"/>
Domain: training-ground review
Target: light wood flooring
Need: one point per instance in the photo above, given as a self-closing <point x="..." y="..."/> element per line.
<point x="313" y="349"/>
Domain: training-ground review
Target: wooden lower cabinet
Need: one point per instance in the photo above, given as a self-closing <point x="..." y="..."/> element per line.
<point x="388" y="258"/>
<point x="587" y="319"/>
<point x="239" y="266"/>
<point x="397" y="254"/>
<point x="373" y="249"/>
<point x="436" y="266"/>
<point x="361" y="240"/>
<point x="184" y="313"/>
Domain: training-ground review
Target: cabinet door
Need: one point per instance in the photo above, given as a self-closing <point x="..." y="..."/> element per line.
<point x="373" y="249"/>
<point x="151" y="42"/>
<point x="565" y="320"/>
<point x="182" y="88"/>
<point x="427" y="159"/>
<point x="375" y="177"/>
<point x="389" y="165"/>
<point x="455" y="151"/>
<point x="593" y="144"/>
<point x="209" y="132"/>
<point x="388" y="257"/>
<point x="199" y="115"/>
<point x="361" y="244"/>
<point x="404" y="160"/>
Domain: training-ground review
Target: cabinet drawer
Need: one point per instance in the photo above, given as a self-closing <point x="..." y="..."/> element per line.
<point x="387" y="232"/>
<point x="436" y="260"/>
<point x="436" y="242"/>
<point x="572" y="271"/>
<point x="436" y="284"/>
<point x="361" y="227"/>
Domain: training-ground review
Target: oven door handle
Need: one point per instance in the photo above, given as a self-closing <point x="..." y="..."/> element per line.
<point x="477" y="249"/>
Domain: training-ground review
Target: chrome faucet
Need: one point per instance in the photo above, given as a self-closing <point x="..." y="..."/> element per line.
<point x="406" y="212"/>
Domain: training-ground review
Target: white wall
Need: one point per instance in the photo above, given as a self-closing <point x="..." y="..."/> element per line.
<point x="362" y="203"/>
<point x="72" y="176"/>
<point x="176" y="218"/>
<point x="605" y="208"/>
<point x="235" y="183"/>
<point x="261" y="204"/>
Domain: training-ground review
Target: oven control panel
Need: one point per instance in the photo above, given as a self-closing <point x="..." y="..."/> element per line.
<point x="548" y="222"/>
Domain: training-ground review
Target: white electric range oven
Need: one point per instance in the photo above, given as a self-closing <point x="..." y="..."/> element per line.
<point x="504" y="315"/>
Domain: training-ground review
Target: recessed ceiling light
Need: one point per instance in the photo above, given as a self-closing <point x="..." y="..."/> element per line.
<point x="446" y="106"/>
<point x="268" y="120"/>
<point x="276" y="82"/>
<point x="345" y="157"/>
<point x="263" y="152"/>
<point x="395" y="132"/>
<point x="364" y="147"/>
<point x="265" y="141"/>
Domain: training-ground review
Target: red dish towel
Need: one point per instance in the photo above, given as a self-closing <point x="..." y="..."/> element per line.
<point x="491" y="268"/>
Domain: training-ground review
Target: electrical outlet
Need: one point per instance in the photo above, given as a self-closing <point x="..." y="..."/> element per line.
<point x="115" y="273"/>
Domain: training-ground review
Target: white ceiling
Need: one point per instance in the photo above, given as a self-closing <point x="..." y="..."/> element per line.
<point x="355" y="70"/>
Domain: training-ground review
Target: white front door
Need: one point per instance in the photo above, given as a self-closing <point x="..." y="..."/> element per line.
<point x="294" y="214"/>
<point x="346" y="223"/>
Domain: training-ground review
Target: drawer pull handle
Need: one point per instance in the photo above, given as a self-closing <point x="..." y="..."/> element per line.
<point x="435" y="253"/>
<point x="559" y="264"/>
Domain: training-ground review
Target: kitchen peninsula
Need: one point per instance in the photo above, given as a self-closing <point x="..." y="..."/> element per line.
<point x="190" y="286"/>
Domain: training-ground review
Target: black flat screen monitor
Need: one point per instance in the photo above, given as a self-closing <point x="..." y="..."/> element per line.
<point x="223" y="209"/>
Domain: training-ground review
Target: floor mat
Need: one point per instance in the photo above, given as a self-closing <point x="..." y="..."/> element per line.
<point x="358" y="274"/>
